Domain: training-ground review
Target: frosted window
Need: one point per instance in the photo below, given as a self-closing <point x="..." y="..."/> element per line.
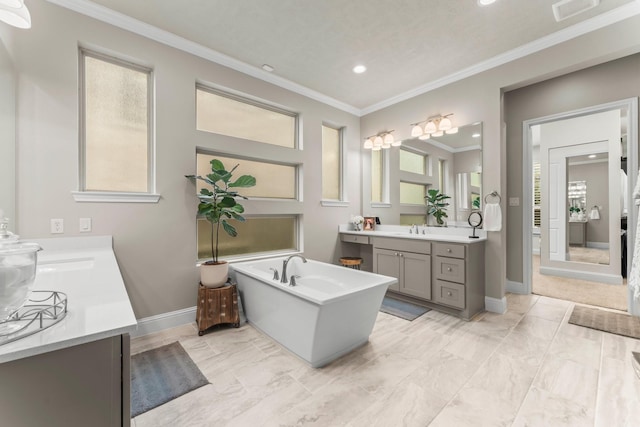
<point x="116" y="140"/>
<point x="255" y="235"/>
<point x="412" y="162"/>
<point x="376" y="176"/>
<point x="331" y="161"/>
<point x="226" y="115"/>
<point x="272" y="181"/>
<point x="412" y="194"/>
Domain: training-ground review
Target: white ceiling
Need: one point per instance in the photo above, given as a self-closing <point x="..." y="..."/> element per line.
<point x="408" y="46"/>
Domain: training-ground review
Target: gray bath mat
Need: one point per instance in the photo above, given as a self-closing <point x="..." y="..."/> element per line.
<point x="402" y="309"/>
<point x="160" y="375"/>
<point x="607" y="321"/>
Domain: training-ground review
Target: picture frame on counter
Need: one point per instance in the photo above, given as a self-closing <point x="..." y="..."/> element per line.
<point x="369" y="223"/>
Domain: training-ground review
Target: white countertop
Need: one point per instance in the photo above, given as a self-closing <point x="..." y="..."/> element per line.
<point x="440" y="234"/>
<point x="98" y="306"/>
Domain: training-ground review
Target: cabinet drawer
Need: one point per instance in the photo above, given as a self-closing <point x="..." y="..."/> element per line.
<point x="354" y="238"/>
<point x="450" y="250"/>
<point x="451" y="294"/>
<point x="405" y="245"/>
<point x="450" y="269"/>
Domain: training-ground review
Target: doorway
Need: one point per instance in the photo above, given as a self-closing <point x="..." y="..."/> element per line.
<point x="581" y="166"/>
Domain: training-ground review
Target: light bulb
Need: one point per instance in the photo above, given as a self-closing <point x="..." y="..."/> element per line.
<point x="386" y="146"/>
<point x="368" y="144"/>
<point x="445" y="124"/>
<point x="378" y="141"/>
<point x="437" y="134"/>
<point x="388" y="139"/>
<point x="376" y="148"/>
<point x="430" y="127"/>
<point x="416" y="130"/>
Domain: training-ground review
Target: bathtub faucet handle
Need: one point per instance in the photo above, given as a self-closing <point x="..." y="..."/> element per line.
<point x="292" y="282"/>
<point x="276" y="276"/>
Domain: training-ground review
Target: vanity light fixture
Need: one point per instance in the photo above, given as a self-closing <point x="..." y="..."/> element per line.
<point x="15" y="12"/>
<point x="434" y="126"/>
<point x="381" y="140"/>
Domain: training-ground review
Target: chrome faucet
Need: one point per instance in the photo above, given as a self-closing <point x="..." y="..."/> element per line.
<point x="283" y="276"/>
<point x="412" y="228"/>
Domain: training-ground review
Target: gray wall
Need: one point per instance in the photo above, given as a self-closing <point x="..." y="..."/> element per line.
<point x="155" y="244"/>
<point x="612" y="81"/>
<point x="597" y="177"/>
<point x="7" y="135"/>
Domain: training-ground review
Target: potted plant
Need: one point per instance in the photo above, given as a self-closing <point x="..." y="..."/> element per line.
<point x="218" y="205"/>
<point x="437" y="205"/>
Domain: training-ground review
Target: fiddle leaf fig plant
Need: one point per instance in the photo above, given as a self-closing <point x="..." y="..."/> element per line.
<point x="437" y="205"/>
<point x="218" y="204"/>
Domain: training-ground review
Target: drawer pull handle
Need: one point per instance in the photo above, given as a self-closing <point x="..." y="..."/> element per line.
<point x="449" y="293"/>
<point x="449" y="250"/>
<point x="448" y="268"/>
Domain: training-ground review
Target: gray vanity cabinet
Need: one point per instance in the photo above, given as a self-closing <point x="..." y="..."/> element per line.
<point x="408" y="261"/>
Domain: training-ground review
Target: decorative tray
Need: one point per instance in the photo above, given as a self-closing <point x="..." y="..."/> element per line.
<point x="42" y="310"/>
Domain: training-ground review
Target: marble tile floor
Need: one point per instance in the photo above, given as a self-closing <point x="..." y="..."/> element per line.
<point x="528" y="367"/>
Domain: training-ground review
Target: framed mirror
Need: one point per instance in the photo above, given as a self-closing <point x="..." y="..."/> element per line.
<point x="7" y="137"/>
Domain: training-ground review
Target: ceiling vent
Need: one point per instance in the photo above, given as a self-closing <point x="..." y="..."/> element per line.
<point x="567" y="8"/>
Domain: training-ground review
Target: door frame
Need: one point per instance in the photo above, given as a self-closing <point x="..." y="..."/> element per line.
<point x="631" y="104"/>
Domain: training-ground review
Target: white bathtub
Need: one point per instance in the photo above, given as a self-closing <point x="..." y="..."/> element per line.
<point x="330" y="312"/>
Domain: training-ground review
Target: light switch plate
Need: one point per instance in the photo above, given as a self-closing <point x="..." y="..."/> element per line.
<point x="85" y="225"/>
<point x="514" y="201"/>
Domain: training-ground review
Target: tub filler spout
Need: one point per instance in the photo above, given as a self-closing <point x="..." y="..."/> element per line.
<point x="285" y="263"/>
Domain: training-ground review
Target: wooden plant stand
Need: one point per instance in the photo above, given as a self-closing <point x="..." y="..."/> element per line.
<point x="216" y="306"/>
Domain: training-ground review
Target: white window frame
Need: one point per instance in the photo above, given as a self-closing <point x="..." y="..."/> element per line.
<point x="211" y="143"/>
<point x="342" y="201"/>
<point x="82" y="195"/>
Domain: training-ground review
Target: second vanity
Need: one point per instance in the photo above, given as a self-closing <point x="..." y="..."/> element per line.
<point x="442" y="269"/>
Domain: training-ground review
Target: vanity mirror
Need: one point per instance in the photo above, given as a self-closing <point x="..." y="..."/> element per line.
<point x="7" y="137"/>
<point x="451" y="163"/>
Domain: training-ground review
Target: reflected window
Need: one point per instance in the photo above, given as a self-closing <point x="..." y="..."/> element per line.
<point x="413" y="162"/>
<point x="412" y="194"/>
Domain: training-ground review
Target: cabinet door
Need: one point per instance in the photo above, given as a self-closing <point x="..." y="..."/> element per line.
<point x="416" y="275"/>
<point x="387" y="262"/>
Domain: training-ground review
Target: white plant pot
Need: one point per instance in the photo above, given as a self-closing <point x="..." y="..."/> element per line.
<point x="214" y="275"/>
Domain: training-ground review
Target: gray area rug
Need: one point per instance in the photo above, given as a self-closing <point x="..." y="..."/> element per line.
<point x="160" y="375"/>
<point x="402" y="309"/>
<point x="607" y="321"/>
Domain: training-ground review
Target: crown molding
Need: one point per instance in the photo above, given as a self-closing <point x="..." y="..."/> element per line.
<point x="135" y="26"/>
<point x="608" y="18"/>
<point x="109" y="16"/>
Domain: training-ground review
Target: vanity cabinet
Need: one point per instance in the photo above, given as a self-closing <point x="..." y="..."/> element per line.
<point x="410" y="264"/>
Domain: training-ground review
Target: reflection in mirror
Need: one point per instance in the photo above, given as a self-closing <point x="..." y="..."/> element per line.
<point x="451" y="163"/>
<point x="7" y="137"/>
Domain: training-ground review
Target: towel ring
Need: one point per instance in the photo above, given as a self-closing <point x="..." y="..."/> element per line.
<point x="493" y="194"/>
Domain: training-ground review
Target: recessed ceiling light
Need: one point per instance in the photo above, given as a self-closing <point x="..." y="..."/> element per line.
<point x="359" y="69"/>
<point x="592" y="156"/>
<point x="476" y="135"/>
<point x="268" y="68"/>
<point x="485" y="2"/>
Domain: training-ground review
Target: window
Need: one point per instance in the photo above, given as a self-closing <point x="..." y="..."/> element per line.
<point x="412" y="162"/>
<point x="331" y="163"/>
<point x="441" y="172"/>
<point x="116" y="126"/>
<point x="412" y="194"/>
<point x="226" y="114"/>
<point x="408" y="219"/>
<point x="376" y="177"/>
<point x="273" y="211"/>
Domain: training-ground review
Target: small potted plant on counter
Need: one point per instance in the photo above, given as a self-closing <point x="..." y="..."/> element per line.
<point x="437" y="205"/>
<point x="218" y="205"/>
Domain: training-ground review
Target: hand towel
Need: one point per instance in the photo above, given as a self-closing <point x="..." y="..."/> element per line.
<point x="492" y="217"/>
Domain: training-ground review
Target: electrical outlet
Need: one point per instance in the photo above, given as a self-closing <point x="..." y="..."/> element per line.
<point x="57" y="226"/>
<point x="85" y="225"/>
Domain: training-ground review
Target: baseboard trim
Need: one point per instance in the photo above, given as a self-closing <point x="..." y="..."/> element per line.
<point x="610" y="279"/>
<point x="598" y="245"/>
<point x="495" y="305"/>
<point x="515" y="287"/>
<point x="149" y="325"/>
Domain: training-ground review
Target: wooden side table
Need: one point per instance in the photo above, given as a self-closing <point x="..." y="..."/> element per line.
<point x="216" y="306"/>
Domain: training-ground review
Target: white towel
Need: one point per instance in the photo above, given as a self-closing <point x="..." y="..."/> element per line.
<point x="492" y="217"/>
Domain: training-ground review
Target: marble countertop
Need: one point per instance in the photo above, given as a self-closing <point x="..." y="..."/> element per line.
<point x="440" y="234"/>
<point x="98" y="306"/>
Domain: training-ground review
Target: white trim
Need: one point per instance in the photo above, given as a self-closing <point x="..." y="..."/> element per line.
<point x="149" y="325"/>
<point x="610" y="279"/>
<point x="495" y="305"/>
<point x="114" y="197"/>
<point x="135" y="26"/>
<point x="515" y="287"/>
<point x="381" y="205"/>
<point x="335" y="203"/>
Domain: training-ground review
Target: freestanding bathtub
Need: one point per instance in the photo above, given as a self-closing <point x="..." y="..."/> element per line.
<point x="330" y="311"/>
